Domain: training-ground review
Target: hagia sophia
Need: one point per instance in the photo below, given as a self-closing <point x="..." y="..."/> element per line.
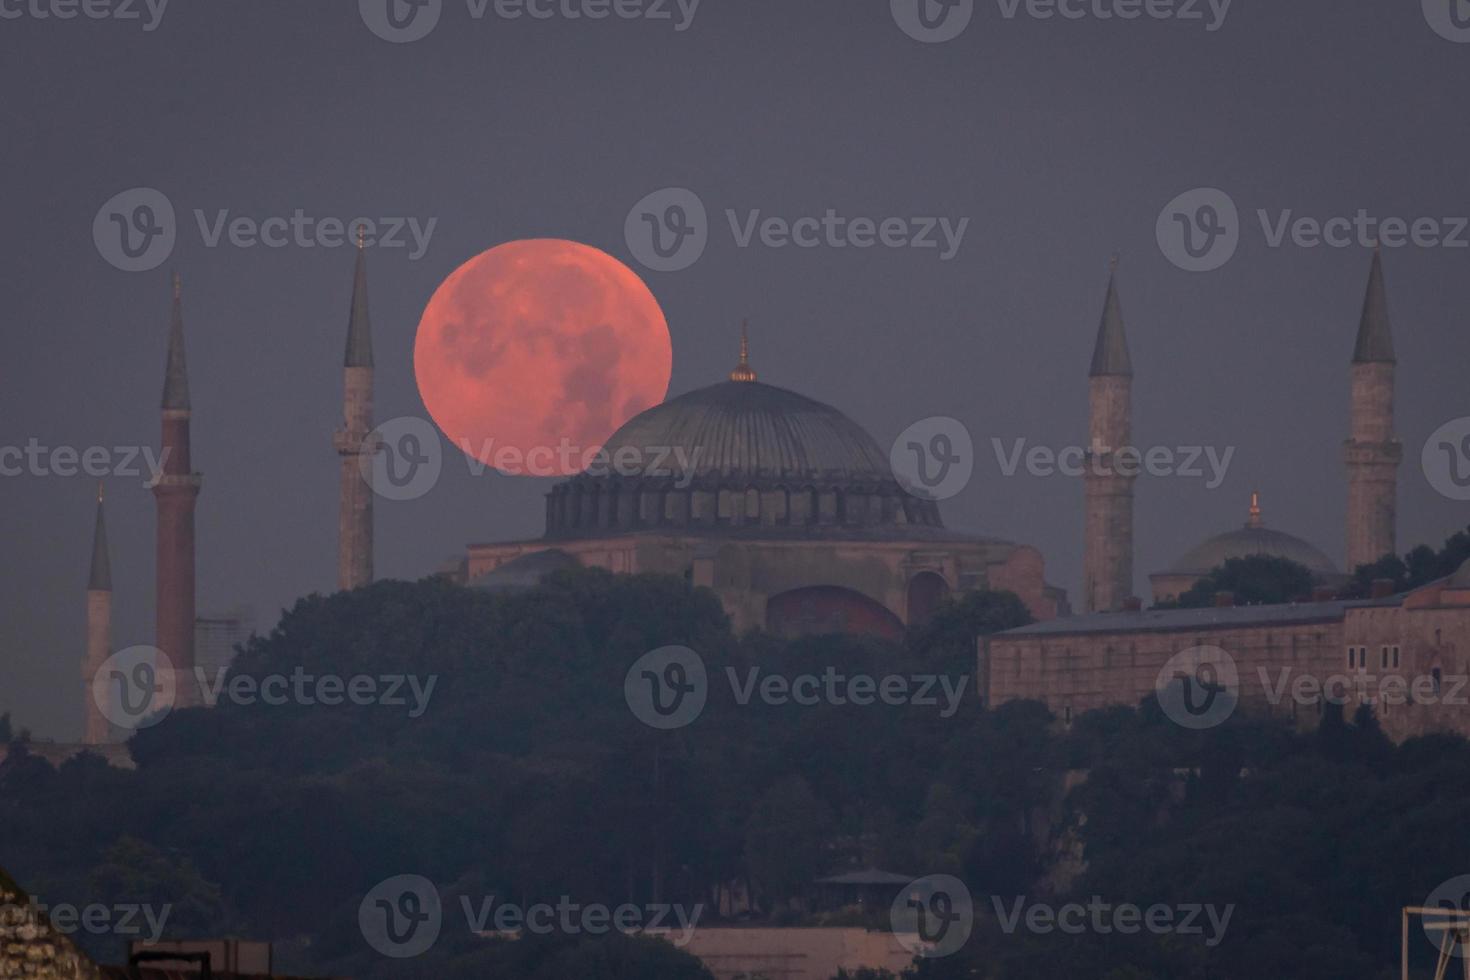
<point x="793" y="517"/>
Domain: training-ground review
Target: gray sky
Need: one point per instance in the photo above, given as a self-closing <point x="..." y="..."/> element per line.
<point x="1060" y="140"/>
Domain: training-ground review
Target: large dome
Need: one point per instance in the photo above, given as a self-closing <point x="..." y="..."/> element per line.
<point x="745" y="429"/>
<point x="739" y="457"/>
<point x="1252" y="539"/>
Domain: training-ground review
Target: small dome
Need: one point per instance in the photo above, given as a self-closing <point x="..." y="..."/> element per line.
<point x="1252" y="539"/>
<point x="525" y="572"/>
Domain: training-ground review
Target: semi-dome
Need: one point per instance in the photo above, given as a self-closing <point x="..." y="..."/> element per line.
<point x="737" y="455"/>
<point x="1252" y="539"/>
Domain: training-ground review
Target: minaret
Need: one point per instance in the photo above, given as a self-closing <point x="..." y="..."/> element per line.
<point x="1108" y="549"/>
<point x="1372" y="453"/>
<point x="355" y="508"/>
<point x="176" y="489"/>
<point x="99" y="629"/>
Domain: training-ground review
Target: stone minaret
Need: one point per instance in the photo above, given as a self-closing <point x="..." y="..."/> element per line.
<point x="1372" y="453"/>
<point x="99" y="629"/>
<point x="176" y="490"/>
<point x="355" y="510"/>
<point x="1107" y="561"/>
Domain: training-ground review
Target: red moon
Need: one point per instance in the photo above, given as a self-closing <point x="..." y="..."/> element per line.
<point x="530" y="355"/>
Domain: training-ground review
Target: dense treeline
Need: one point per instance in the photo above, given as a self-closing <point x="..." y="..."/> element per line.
<point x="527" y="777"/>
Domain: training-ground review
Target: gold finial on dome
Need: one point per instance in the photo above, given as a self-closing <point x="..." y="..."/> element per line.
<point x="743" y="371"/>
<point x="1255" y="518"/>
<point x="99" y="491"/>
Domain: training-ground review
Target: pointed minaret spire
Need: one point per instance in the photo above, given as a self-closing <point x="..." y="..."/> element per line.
<point x="97" y="730"/>
<point x="359" y="326"/>
<point x="175" y="492"/>
<point x="743" y="371"/>
<point x="353" y="440"/>
<point x="1110" y="353"/>
<point x="1107" y="560"/>
<point x="1254" y="520"/>
<point x="176" y="374"/>
<point x="1373" y="454"/>
<point x="100" y="579"/>
<point x="1375" y="334"/>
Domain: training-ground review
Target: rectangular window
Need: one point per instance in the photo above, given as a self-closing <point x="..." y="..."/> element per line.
<point x="1384" y="654"/>
<point x="1395" y="658"/>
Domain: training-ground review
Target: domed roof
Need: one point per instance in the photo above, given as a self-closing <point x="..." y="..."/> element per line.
<point x="1252" y="539"/>
<point x="749" y="429"/>
<point x="1461" y="578"/>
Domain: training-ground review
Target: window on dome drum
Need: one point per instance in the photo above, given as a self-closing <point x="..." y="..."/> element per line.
<point x="1395" y="657"/>
<point x="1384" y="654"/>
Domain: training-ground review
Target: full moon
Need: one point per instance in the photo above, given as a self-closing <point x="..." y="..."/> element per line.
<point x="530" y="355"/>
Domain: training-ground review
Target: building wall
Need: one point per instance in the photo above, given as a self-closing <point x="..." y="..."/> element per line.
<point x="747" y="574"/>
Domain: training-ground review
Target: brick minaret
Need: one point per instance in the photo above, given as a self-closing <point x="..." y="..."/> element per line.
<point x="355" y="509"/>
<point x="175" y="491"/>
<point x="1107" y="563"/>
<point x="99" y="629"/>
<point x="1372" y="453"/>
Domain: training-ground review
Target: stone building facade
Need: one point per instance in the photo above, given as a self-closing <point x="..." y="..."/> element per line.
<point x="782" y="505"/>
<point x="1407" y="657"/>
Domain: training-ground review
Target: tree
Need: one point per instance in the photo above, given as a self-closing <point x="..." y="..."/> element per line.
<point x="1256" y="580"/>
